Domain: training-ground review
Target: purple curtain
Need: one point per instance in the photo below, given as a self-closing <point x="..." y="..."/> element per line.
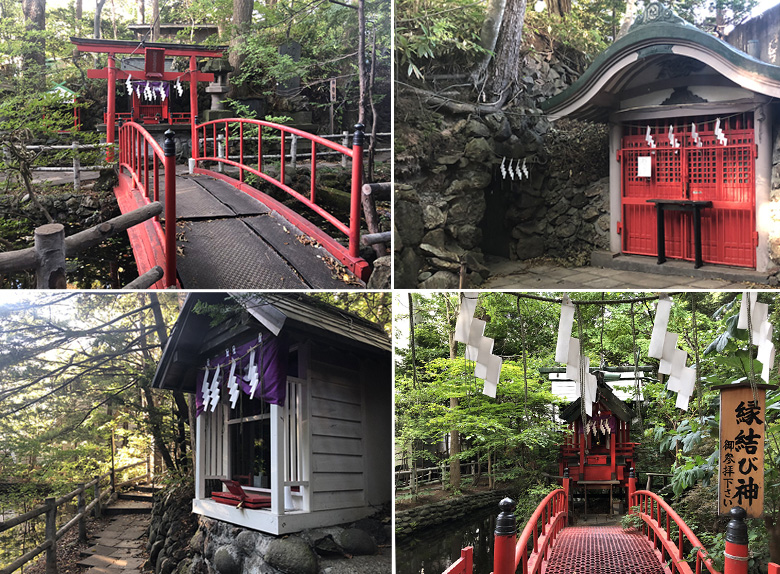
<point x="271" y="359"/>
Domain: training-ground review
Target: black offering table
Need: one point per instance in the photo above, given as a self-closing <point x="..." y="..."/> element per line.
<point x="662" y="205"/>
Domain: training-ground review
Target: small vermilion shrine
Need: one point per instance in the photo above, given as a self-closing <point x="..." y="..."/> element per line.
<point x="151" y="87"/>
<point x="599" y="453"/>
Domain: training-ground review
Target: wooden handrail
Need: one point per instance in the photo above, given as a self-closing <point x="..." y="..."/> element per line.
<point x="50" y="509"/>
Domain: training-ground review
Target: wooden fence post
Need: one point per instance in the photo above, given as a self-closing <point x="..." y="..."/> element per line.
<point x="76" y="167"/>
<point x="505" y="539"/>
<point x="50" y="253"/>
<point x="98" y="510"/>
<point x="221" y="153"/>
<point x="51" y="536"/>
<point x="345" y="143"/>
<point x="80" y="510"/>
<point x="293" y="149"/>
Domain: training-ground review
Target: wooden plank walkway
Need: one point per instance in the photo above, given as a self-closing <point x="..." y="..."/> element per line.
<point x="226" y="239"/>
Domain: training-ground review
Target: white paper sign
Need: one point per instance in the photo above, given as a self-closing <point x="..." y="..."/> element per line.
<point x="644" y="166"/>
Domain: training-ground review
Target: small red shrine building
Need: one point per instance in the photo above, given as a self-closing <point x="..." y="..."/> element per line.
<point x="691" y="141"/>
<point x="599" y="453"/>
<point x="152" y="86"/>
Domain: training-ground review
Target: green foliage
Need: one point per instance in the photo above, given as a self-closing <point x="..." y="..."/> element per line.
<point x="632" y="520"/>
<point x="437" y="36"/>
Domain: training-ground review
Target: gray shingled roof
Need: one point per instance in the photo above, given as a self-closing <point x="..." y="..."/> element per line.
<point x="290" y="312"/>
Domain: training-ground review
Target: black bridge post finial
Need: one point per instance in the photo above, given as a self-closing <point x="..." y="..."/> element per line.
<point x="359" y="136"/>
<point x="169" y="147"/>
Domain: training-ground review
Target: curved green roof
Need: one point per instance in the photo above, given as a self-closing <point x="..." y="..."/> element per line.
<point x="658" y="34"/>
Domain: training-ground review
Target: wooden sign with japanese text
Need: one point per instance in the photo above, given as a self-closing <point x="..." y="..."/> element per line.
<point x="741" y="473"/>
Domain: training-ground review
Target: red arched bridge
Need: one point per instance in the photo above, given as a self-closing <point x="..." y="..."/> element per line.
<point x="663" y="544"/>
<point x="218" y="230"/>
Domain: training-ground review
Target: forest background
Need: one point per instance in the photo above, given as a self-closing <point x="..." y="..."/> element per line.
<point x="514" y="438"/>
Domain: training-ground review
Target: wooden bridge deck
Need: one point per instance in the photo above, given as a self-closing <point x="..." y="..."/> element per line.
<point x="226" y="239"/>
<point x="603" y="550"/>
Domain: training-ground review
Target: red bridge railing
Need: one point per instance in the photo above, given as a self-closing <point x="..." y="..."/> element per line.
<point x="464" y="564"/>
<point x="214" y="141"/>
<point x="551" y="517"/>
<point x="143" y="157"/>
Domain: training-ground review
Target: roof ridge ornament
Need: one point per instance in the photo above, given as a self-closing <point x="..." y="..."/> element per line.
<point x="657" y="13"/>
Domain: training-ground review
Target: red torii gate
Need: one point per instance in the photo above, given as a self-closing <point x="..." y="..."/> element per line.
<point x="154" y="54"/>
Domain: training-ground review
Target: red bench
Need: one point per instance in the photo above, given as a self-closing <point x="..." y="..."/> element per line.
<point x="239" y="498"/>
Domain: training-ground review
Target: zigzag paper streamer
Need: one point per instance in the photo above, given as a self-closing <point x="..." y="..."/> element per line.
<point x="233" y="385"/>
<point x="204" y="390"/>
<point x="678" y="364"/>
<point x="564" y="330"/>
<point x="465" y="316"/>
<point x="766" y="354"/>
<point x="215" y="390"/>
<point x="659" y="328"/>
<point x="503" y="168"/>
<point x="573" y="361"/>
<point x="670" y="346"/>
<point x="510" y="170"/>
<point x="476" y="332"/>
<point x="251" y="374"/>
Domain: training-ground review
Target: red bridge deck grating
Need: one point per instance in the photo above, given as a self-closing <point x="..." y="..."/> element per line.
<point x="603" y="550"/>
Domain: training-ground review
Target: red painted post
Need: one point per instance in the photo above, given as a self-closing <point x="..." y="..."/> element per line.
<point x="169" y="150"/>
<point x="193" y="107"/>
<point x="736" y="543"/>
<point x="357" y="185"/>
<point x="505" y="538"/>
<point x="111" y="107"/>
<point x="566" y="487"/>
<point x="631" y="487"/>
<point x="774" y="568"/>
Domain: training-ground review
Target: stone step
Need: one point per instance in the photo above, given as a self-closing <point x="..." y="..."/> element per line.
<point x="124" y="506"/>
<point x="148" y="488"/>
<point x="134" y="495"/>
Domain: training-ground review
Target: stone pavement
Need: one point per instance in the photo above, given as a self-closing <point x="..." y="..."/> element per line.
<point x="119" y="548"/>
<point x="522" y="275"/>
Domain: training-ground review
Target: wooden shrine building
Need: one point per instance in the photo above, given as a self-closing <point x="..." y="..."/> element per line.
<point x="150" y="87"/>
<point x="691" y="122"/>
<point x="294" y="398"/>
<point x="598" y="454"/>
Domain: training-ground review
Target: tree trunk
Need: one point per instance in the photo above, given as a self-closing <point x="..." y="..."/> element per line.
<point x="773" y="529"/>
<point x="489" y="35"/>
<point x="628" y="19"/>
<point x="141" y="12"/>
<point x="155" y="20"/>
<point x="34" y="58"/>
<point x="155" y="428"/>
<point x="79" y="14"/>
<point x="242" y="18"/>
<point x="504" y="69"/>
<point x="412" y="343"/>
<point x="560" y="7"/>
<point x="361" y="56"/>
<point x="113" y="18"/>
<point x="98" y="17"/>
<point x="491" y="482"/>
<point x="182" y="408"/>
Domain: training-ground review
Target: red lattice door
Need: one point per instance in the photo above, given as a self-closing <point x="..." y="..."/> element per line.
<point x="699" y="167"/>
